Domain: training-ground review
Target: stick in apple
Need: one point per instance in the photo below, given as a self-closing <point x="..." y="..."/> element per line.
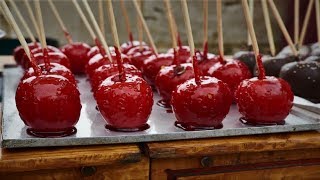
<point x="305" y="23"/>
<point x="268" y="27"/>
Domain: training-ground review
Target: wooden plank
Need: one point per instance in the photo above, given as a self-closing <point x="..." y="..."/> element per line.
<point x="12" y="160"/>
<point x="139" y="170"/>
<point x="195" y="165"/>
<point x="239" y="144"/>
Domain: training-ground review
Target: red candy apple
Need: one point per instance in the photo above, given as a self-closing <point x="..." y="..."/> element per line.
<point x="25" y="61"/>
<point x="77" y="54"/>
<point x="201" y="105"/>
<point x="108" y="70"/>
<point x="183" y="53"/>
<point x="125" y="103"/>
<point x="231" y="72"/>
<point x="153" y="64"/>
<point x="99" y="60"/>
<point x="136" y="49"/>
<point x="49" y="105"/>
<point x="125" y="47"/>
<point x="138" y="58"/>
<point x="95" y="50"/>
<point x="18" y="52"/>
<point x="169" y="77"/>
<point x="264" y="100"/>
<point x="55" y="69"/>
<point x="53" y="57"/>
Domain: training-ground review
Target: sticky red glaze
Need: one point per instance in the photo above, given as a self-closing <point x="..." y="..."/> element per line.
<point x="95" y="50"/>
<point x="137" y="49"/>
<point x="138" y="58"/>
<point x="54" y="57"/>
<point x="105" y="71"/>
<point x="183" y="54"/>
<point x="77" y="54"/>
<point x="264" y="101"/>
<point x="205" y="63"/>
<point x="153" y="64"/>
<point x="125" y="104"/>
<point x="98" y="60"/>
<point x="48" y="103"/>
<point x="125" y="47"/>
<point x="204" y="105"/>
<point x="231" y="72"/>
<point x="25" y="61"/>
<point x="55" y="69"/>
<point x="169" y="77"/>
<point x="18" y="52"/>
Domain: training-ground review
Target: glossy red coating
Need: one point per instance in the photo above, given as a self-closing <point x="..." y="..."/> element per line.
<point x="98" y="60"/>
<point x="125" y="104"/>
<point x="205" y="63"/>
<point x="25" y="61"/>
<point x="54" y="57"/>
<point x="95" y="50"/>
<point x="55" y="69"/>
<point x="125" y="47"/>
<point x="108" y="70"/>
<point x="138" y="58"/>
<point x="231" y="72"/>
<point x="201" y="106"/>
<point x="264" y="101"/>
<point x="153" y="64"/>
<point x="77" y="54"/>
<point x="18" y="52"/>
<point x="136" y="49"/>
<point x="183" y="54"/>
<point x="169" y="77"/>
<point x="48" y="103"/>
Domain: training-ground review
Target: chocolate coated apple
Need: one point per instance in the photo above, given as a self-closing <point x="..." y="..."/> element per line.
<point x="54" y="69"/>
<point x="169" y="77"/>
<point x="201" y="105"/>
<point x="125" y="102"/>
<point x="304" y="78"/>
<point x="248" y="58"/>
<point x="105" y="71"/>
<point x="231" y="72"/>
<point x="49" y="105"/>
<point x="77" y="54"/>
<point x="303" y="51"/>
<point x="264" y="101"/>
<point x="273" y="65"/>
<point x="153" y="64"/>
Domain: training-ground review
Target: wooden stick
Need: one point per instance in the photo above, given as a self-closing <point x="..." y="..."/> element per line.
<point x="126" y="19"/>
<point x="22" y="40"/>
<point x="113" y="23"/>
<point x="101" y="17"/>
<point x="60" y="22"/>
<point x="40" y="23"/>
<point x="32" y="17"/>
<point x="140" y="28"/>
<point x="171" y="25"/>
<point x="296" y="21"/>
<point x="96" y="26"/>
<point x="251" y="8"/>
<point x="84" y="19"/>
<point x="219" y="28"/>
<point x="282" y="27"/>
<point x="145" y="26"/>
<point x="188" y="26"/>
<point x="23" y="22"/>
<point x="205" y="22"/>
<point x="305" y="22"/>
<point x="268" y="26"/>
<point x="317" y="4"/>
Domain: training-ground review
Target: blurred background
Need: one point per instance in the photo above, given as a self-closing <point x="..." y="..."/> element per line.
<point x="234" y="27"/>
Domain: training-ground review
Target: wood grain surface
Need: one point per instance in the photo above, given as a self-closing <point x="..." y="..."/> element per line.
<point x="239" y="144"/>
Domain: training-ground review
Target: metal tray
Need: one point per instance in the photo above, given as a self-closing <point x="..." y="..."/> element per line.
<point x="91" y="126"/>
